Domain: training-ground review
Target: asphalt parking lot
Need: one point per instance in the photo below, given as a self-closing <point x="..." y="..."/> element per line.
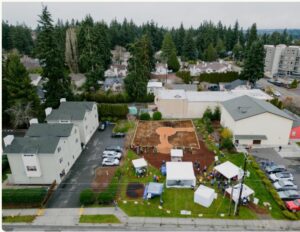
<point x="82" y="173"/>
<point x="292" y="164"/>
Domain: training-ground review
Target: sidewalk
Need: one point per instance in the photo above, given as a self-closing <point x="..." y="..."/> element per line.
<point x="70" y="217"/>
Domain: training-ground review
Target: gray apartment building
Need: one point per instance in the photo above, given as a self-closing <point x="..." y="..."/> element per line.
<point x="282" y="60"/>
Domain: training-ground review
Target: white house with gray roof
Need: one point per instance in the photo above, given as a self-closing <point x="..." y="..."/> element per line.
<point x="254" y="121"/>
<point x="46" y="153"/>
<point x="83" y="114"/>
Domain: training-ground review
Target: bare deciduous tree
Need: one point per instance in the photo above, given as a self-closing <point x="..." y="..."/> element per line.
<point x="20" y="114"/>
<point x="71" y="53"/>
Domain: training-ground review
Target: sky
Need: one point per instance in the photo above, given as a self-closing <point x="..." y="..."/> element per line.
<point x="266" y="15"/>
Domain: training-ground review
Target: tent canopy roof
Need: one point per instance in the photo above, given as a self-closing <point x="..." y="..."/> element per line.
<point x="204" y="191"/>
<point x="176" y="153"/>
<point x="228" y="169"/>
<point x="180" y="171"/>
<point x="155" y="188"/>
<point x="247" y="191"/>
<point x="139" y="163"/>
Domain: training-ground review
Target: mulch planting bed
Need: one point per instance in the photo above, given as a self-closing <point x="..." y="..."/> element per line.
<point x="135" y="190"/>
<point x="103" y="176"/>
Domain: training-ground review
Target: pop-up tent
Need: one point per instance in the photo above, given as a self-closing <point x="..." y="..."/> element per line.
<point x="153" y="189"/>
<point x="236" y="192"/>
<point x="176" y="155"/>
<point x="180" y="175"/>
<point x="204" y="196"/>
<point x="140" y="165"/>
<point x="229" y="170"/>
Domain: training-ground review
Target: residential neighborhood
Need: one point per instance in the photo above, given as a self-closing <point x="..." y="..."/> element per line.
<point x="184" y="123"/>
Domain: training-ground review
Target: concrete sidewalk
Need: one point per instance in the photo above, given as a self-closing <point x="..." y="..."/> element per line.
<point x="70" y="218"/>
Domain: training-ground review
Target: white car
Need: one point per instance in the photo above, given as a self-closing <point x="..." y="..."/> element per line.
<point x="110" y="162"/>
<point x="281" y="176"/>
<point x="284" y="185"/>
<point x="276" y="93"/>
<point x="112" y="154"/>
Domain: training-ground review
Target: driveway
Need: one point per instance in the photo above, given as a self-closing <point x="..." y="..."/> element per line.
<point x="292" y="164"/>
<point x="82" y="173"/>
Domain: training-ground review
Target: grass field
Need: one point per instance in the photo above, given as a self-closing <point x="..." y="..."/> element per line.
<point x="123" y="126"/>
<point x="20" y="219"/>
<point x="103" y="218"/>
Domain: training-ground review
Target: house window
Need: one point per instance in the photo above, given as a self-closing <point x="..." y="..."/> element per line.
<point x="60" y="160"/>
<point x="31" y="168"/>
<point x="58" y="149"/>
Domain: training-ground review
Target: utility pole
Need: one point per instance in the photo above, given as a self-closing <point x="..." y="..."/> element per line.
<point x="242" y="184"/>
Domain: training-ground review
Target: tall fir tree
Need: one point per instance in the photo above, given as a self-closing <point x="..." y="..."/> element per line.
<point x="189" y="51"/>
<point x="210" y="53"/>
<point x="52" y="59"/>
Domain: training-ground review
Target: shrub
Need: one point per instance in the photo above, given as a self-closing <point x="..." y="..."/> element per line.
<point x="145" y="116"/>
<point x="217" y="114"/>
<point x="226" y="133"/>
<point x="226" y="144"/>
<point x="276" y="102"/>
<point x="294" y="84"/>
<point x="208" y="114"/>
<point x="113" y="110"/>
<point x="289" y="215"/>
<point x="216" y="78"/>
<point x="23" y="196"/>
<point x="109" y="194"/>
<point x="185" y="76"/>
<point x="87" y="197"/>
<point x="157" y="115"/>
<point x="105" y="198"/>
<point x="5" y="164"/>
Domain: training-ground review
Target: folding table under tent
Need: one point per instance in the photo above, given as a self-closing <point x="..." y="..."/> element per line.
<point x="204" y="196"/>
<point x="229" y="170"/>
<point x="236" y="192"/>
<point x="153" y="189"/>
<point x="176" y="155"/>
<point x="180" y="175"/>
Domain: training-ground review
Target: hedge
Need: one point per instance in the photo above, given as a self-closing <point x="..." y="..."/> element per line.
<point x="289" y="215"/>
<point x="145" y="116"/>
<point x="5" y="164"/>
<point x="114" y="98"/>
<point x="157" y="115"/>
<point x="216" y="78"/>
<point x="113" y="110"/>
<point x="23" y="196"/>
<point x="87" y="197"/>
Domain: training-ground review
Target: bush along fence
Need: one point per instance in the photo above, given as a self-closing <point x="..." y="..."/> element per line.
<point x="112" y="111"/>
<point x="216" y="78"/>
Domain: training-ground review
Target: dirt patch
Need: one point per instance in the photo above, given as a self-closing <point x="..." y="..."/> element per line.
<point x="135" y="190"/>
<point x="103" y="176"/>
<point x="257" y="209"/>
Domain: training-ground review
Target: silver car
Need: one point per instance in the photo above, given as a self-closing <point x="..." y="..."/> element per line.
<point x="281" y="176"/>
<point x="284" y="185"/>
<point x="112" y="154"/>
<point x="110" y="162"/>
<point x="289" y="195"/>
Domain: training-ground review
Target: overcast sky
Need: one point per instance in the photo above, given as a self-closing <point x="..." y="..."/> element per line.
<point x="266" y="15"/>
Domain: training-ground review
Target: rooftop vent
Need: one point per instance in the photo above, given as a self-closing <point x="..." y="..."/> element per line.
<point x="242" y="110"/>
<point x="62" y="100"/>
<point x="8" y="140"/>
<point x="177" y="96"/>
<point x="48" y="111"/>
<point x="33" y="120"/>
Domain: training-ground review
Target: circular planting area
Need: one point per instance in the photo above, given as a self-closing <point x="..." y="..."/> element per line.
<point x="135" y="190"/>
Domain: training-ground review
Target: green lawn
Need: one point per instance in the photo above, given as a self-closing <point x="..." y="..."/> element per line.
<point x="103" y="218"/>
<point x="19" y="218"/>
<point x="123" y="126"/>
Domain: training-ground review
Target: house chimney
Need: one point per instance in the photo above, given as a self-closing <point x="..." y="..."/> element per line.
<point x="62" y="100"/>
<point x="33" y="120"/>
<point x="8" y="140"/>
<point x="48" y="111"/>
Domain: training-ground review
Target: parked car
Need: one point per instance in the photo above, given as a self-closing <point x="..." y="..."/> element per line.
<point x="284" y="185"/>
<point x="288" y="195"/>
<point x="276" y="93"/>
<point x="114" y="148"/>
<point x="110" y="162"/>
<point x="118" y="135"/>
<point x="102" y="126"/>
<point x="293" y="205"/>
<point x="112" y="154"/>
<point x="266" y="163"/>
<point x="281" y="176"/>
<point x="275" y="168"/>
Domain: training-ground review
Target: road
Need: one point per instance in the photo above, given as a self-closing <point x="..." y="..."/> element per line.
<point x="82" y="173"/>
<point x="293" y="93"/>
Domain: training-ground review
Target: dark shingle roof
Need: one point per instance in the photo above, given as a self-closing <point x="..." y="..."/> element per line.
<point x="70" y="111"/>
<point x="51" y="129"/>
<point x="41" y="145"/>
<point x="245" y="107"/>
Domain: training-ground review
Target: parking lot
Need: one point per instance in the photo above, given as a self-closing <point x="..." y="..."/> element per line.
<point x="292" y="164"/>
<point x="83" y="171"/>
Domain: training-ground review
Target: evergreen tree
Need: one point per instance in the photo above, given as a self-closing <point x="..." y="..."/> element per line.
<point x="173" y="63"/>
<point x="52" y="60"/>
<point x="168" y="46"/>
<point x="179" y="39"/>
<point x="210" y="53"/>
<point x="237" y="51"/>
<point x="252" y="36"/>
<point x="189" y="51"/>
<point x="254" y="63"/>
<point x="220" y="48"/>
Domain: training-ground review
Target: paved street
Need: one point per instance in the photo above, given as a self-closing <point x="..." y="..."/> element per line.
<point x="292" y="164"/>
<point x="82" y="172"/>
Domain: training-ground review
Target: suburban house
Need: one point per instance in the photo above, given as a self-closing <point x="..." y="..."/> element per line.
<point x="78" y="79"/>
<point x="254" y="121"/>
<point x="46" y="153"/>
<point x="35" y="79"/>
<point x="116" y="70"/>
<point x="295" y="132"/>
<point x="209" y="67"/>
<point x="83" y="114"/>
<point x="154" y="86"/>
<point x="160" y="69"/>
<point x="30" y="63"/>
<point x="192" y="104"/>
<point x="234" y="85"/>
<point x="114" y="84"/>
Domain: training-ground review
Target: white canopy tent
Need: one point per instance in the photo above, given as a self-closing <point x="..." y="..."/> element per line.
<point x="176" y="154"/>
<point x="139" y="163"/>
<point x="236" y="192"/>
<point x="180" y="175"/>
<point x="229" y="170"/>
<point x="204" y="196"/>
